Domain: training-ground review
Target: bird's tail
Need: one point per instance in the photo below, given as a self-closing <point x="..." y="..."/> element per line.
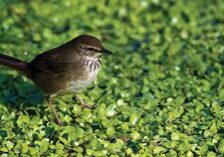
<point x="15" y="63"/>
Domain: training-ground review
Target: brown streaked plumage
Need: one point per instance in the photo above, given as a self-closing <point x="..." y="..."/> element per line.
<point x="69" y="68"/>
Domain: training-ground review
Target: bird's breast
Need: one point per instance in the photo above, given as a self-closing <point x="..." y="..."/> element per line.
<point x="92" y="68"/>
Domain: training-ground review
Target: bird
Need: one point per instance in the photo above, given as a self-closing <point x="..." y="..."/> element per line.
<point x="66" y="69"/>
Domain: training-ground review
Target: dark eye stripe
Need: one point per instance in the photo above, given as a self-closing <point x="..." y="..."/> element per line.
<point x="91" y="49"/>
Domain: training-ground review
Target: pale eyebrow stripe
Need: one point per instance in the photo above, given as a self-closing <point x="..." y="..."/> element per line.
<point x="92" y="47"/>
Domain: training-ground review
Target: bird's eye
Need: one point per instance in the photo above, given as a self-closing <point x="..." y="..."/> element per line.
<point x="91" y="49"/>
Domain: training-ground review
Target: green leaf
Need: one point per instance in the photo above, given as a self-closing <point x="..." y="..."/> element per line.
<point x="159" y="149"/>
<point x="175" y="136"/>
<point x="110" y="131"/>
<point x="221" y="146"/>
<point x="3" y="134"/>
<point x="204" y="149"/>
<point x="211" y="154"/>
<point x="133" y="119"/>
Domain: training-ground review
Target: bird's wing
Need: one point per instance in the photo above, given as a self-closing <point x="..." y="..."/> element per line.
<point x="53" y="61"/>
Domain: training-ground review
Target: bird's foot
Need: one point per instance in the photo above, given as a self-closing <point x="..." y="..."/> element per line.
<point x="83" y="106"/>
<point x="58" y="121"/>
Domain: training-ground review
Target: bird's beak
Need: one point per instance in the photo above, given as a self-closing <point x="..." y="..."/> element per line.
<point x="105" y="51"/>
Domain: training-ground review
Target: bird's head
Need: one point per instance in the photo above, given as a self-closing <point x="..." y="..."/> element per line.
<point x="89" y="46"/>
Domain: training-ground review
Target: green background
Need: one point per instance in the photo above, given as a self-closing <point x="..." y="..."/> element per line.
<point x="160" y="94"/>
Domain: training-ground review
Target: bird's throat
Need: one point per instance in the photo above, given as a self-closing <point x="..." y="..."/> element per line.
<point x="91" y="64"/>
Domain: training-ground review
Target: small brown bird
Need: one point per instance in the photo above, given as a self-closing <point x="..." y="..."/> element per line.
<point x="69" y="68"/>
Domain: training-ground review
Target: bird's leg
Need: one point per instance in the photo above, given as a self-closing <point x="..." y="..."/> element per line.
<point x="83" y="104"/>
<point x="49" y="101"/>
